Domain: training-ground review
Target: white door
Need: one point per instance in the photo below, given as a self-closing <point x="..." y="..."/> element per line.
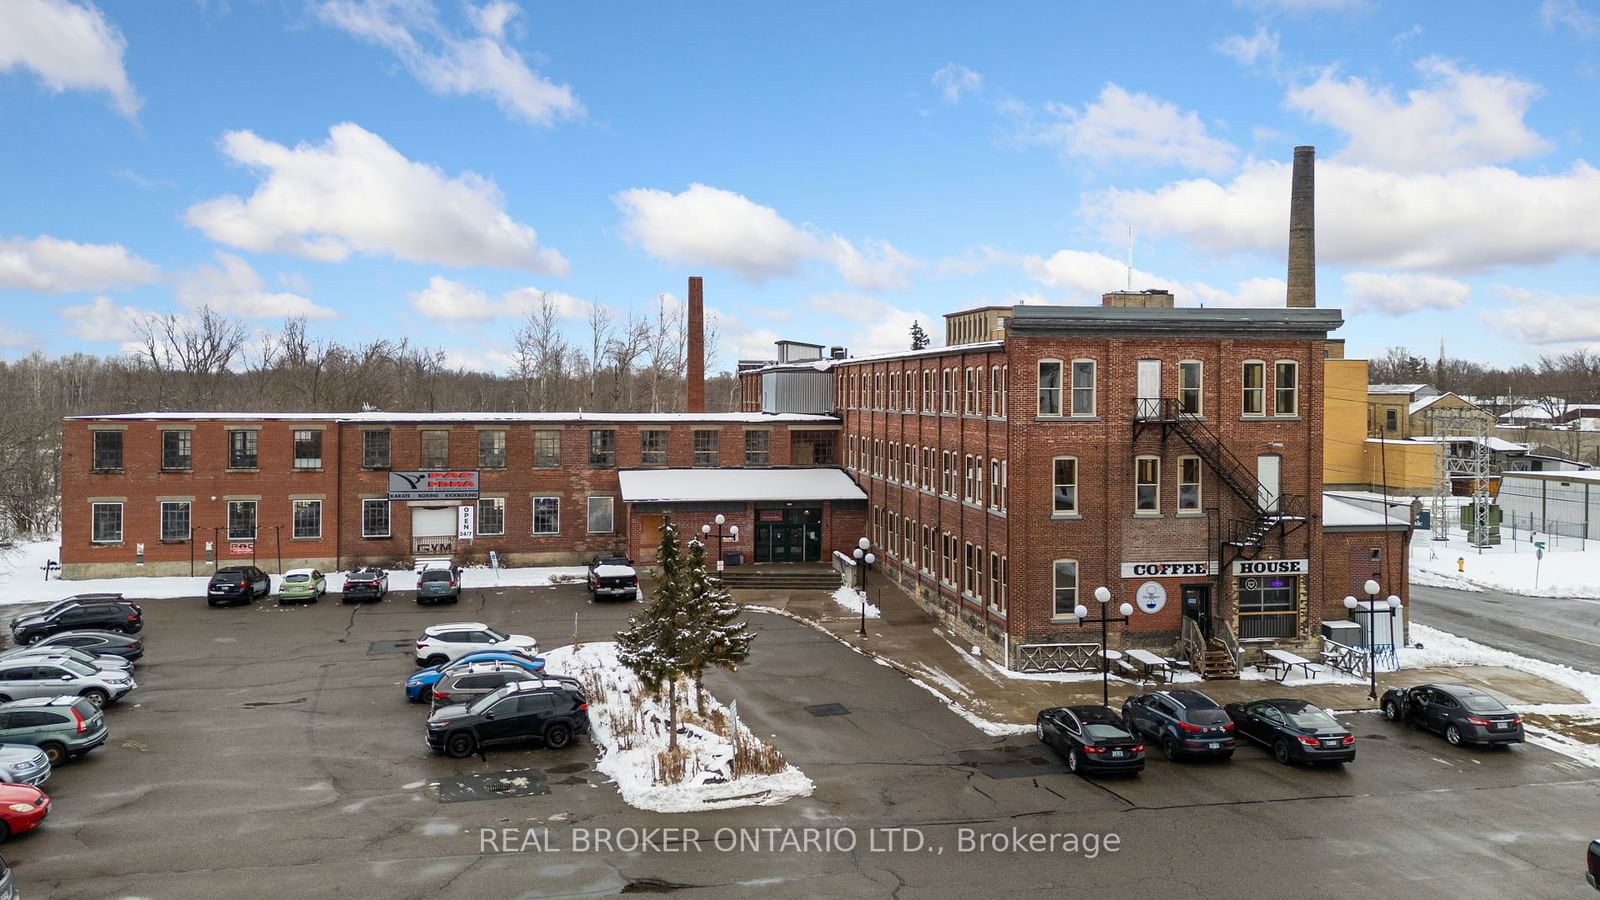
<point x="1149" y="388"/>
<point x="1267" y="472"/>
<point x="436" y="521"/>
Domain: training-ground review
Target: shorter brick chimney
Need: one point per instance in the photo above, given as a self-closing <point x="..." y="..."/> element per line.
<point x="695" y="378"/>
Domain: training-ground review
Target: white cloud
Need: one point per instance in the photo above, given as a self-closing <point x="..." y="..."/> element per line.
<point x="102" y="320"/>
<point x="1571" y="14"/>
<point x="1399" y="294"/>
<point x="357" y="194"/>
<point x="480" y="62"/>
<point x="1260" y="48"/>
<point x="1542" y="317"/>
<point x="1460" y="118"/>
<point x="1122" y="127"/>
<point x="705" y="225"/>
<point x="233" y="288"/>
<point x="69" y="46"/>
<point x="879" y="327"/>
<point x="448" y="300"/>
<point x="953" y="80"/>
<point x="1462" y="221"/>
<point x="1082" y="276"/>
<point x="50" y="264"/>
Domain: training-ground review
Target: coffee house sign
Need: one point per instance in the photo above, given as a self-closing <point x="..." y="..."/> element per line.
<point x="457" y="485"/>
<point x="1272" y="567"/>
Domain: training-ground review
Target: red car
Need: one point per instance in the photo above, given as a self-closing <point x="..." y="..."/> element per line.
<point x="22" y="808"/>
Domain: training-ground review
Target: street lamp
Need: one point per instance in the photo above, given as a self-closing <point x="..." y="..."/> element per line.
<point x="733" y="532"/>
<point x="1102" y="594"/>
<point x="864" y="557"/>
<point x="1393" y="602"/>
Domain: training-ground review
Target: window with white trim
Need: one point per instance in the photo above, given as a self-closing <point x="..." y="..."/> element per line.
<point x="106" y="518"/>
<point x="242" y="520"/>
<point x="1188" y="483"/>
<point x="1191" y="380"/>
<point x="374" y="518"/>
<point x="927" y="390"/>
<point x="1254" y="402"/>
<point x="1065" y="575"/>
<point x="995" y="602"/>
<point x="1049" y="387"/>
<point x="1286" y="388"/>
<point x="491" y="516"/>
<point x="969" y="396"/>
<point x="994" y="484"/>
<point x="966" y="481"/>
<point x="546" y="515"/>
<point x="894" y="390"/>
<point x="994" y="391"/>
<point x="1064" y="491"/>
<point x="1146" y="484"/>
<point x="1005" y="384"/>
<point x="1083" y="387"/>
<point x="175" y="520"/>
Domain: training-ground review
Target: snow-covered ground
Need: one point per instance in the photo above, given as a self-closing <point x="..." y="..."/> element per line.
<point x="1567" y="570"/>
<point x="851" y="599"/>
<point x="629" y="757"/>
<point x="22" y="578"/>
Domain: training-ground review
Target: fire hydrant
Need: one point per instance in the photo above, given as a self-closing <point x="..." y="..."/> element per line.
<point x="1461" y="564"/>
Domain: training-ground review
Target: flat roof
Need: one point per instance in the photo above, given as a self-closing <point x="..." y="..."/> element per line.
<point x="1569" y="475"/>
<point x="712" y="485"/>
<point x="619" y="418"/>
<point x="1209" y="321"/>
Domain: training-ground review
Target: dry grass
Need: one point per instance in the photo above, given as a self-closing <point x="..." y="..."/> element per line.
<point x="1581" y="728"/>
<point x="752" y="757"/>
<point x="672" y="766"/>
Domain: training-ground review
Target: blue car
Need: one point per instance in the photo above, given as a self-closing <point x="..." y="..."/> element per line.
<point x="421" y="682"/>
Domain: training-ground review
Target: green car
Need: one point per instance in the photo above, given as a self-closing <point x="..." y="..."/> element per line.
<point x="63" y="727"/>
<point x="302" y="586"/>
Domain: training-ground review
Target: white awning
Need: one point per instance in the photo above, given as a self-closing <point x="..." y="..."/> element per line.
<point x="712" y="485"/>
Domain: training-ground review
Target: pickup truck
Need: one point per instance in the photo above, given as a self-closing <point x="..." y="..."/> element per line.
<point x="612" y="575"/>
<point x="368" y="583"/>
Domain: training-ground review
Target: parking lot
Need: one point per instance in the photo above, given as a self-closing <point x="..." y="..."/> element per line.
<point x="270" y="753"/>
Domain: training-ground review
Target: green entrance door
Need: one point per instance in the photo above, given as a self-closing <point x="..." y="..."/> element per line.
<point x="788" y="535"/>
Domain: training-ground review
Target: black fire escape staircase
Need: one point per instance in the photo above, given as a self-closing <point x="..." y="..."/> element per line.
<point x="1240" y="537"/>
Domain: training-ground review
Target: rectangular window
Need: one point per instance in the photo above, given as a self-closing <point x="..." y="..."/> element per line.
<point x="546" y="449"/>
<point x="1083" y="389"/>
<point x="307" y="448"/>
<point x="653" y="447"/>
<point x="1005" y="485"/>
<point x="994" y="390"/>
<point x="1066" y="588"/>
<point x="969" y="397"/>
<point x="108" y="453"/>
<point x="909" y="379"/>
<point x="176" y="450"/>
<point x="242" y="449"/>
<point x="600" y="521"/>
<point x="1391" y="420"/>
<point x="435" y="449"/>
<point x="375" y="517"/>
<point x="1049" y="388"/>
<point x="491" y="449"/>
<point x="1064" y="496"/>
<point x="1190" y="378"/>
<point x="894" y="390"/>
<point x="994" y="582"/>
<point x="758" y="448"/>
<point x="944" y="472"/>
<point x="994" y="484"/>
<point x="877" y="390"/>
<point x="1147" y="484"/>
<point x="602" y="448"/>
<point x="307" y="518"/>
<point x="1188" y="483"/>
<point x="241" y="520"/>
<point x="106" y="518"/>
<point x="491" y="515"/>
<point x="927" y="390"/>
<point x="547" y="515"/>
<point x="1286" y="400"/>
<point x="927" y="468"/>
<point x="375" y="449"/>
<point x="894" y="461"/>
<point x="1005" y="383"/>
<point x="968" y="570"/>
<point x="966" y="484"/>
<point x="175" y="520"/>
<point x="1255" y="389"/>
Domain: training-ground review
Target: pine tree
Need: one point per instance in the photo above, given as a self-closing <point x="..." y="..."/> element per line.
<point x="715" y="638"/>
<point x="919" y="338"/>
<point x="655" y="644"/>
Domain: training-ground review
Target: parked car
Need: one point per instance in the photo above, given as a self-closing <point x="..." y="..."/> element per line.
<point x="612" y="576"/>
<point x="419" y="687"/>
<point x="439" y="585"/>
<point x="100" y="643"/>
<point x="8" y="885"/>
<point x="107" y="662"/>
<point x="1092" y="738"/>
<point x="1184" y="723"/>
<point x="1593" y="875"/>
<point x="23" y="764"/>
<point x="52" y="676"/>
<point x="63" y="727"/>
<point x="1464" y="715"/>
<point x="237" y="584"/>
<point x="1294" y="730"/>
<point x="82" y="600"/>
<point x="467" y="683"/>
<point x="22" y="808"/>
<point x="302" y="586"/>
<point x="102" y="615"/>
<point x="369" y="583"/>
<point x="440" y="644"/>
<point x="549" y="711"/>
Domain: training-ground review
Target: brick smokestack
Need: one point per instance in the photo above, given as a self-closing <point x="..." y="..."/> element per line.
<point x="695" y="378"/>
<point x="1303" y="229"/>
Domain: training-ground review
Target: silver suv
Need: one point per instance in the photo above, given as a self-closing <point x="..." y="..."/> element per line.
<point x="23" y="764"/>
<point x="60" y="726"/>
<point x="468" y="683"/>
<point x="54" y="676"/>
<point x="107" y="662"/>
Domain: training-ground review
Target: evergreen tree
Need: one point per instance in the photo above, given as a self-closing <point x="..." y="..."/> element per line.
<point x="656" y="643"/>
<point x="715" y="638"/>
<point x="919" y="338"/>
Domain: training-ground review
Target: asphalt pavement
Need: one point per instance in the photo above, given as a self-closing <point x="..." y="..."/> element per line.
<point x="1560" y="630"/>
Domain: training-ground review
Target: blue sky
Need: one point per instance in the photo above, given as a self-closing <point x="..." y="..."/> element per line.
<point x="401" y="167"/>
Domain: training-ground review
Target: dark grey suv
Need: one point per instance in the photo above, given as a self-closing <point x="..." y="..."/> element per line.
<point x="1184" y="723"/>
<point x="550" y="711"/>
<point x="439" y="585"/>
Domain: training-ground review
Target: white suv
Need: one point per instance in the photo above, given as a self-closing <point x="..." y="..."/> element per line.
<point x="442" y="644"/>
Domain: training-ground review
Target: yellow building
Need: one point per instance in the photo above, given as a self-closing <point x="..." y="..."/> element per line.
<point x="1359" y="450"/>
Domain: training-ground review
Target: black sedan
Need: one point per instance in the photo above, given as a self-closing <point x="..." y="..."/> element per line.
<point x="1464" y="715"/>
<point x="1294" y="730"/>
<point x="1593" y="875"/>
<point x="1091" y="738"/>
<point x="100" y="643"/>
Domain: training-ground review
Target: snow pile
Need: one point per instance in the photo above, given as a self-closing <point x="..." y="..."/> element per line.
<point x="1567" y="569"/>
<point x="1443" y="650"/>
<point x="628" y="754"/>
<point x="22" y="578"/>
<point x="852" y="600"/>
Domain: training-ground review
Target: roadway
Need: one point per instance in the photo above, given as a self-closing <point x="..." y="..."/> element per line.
<point x="1559" y="630"/>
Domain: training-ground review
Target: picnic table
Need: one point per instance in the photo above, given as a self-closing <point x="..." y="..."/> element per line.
<point x="1282" y="663"/>
<point x="1152" y="663"/>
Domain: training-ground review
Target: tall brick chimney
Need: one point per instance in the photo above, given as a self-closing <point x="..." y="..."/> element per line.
<point x="1303" y="229"/>
<point x="695" y="378"/>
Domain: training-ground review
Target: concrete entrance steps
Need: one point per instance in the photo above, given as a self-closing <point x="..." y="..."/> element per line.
<point x="791" y="576"/>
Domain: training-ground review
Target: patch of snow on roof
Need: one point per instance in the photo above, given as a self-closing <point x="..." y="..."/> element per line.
<point x="721" y="485"/>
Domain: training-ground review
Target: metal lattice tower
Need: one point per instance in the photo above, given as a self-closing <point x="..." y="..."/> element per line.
<point x="1451" y="427"/>
<point x="1441" y="492"/>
